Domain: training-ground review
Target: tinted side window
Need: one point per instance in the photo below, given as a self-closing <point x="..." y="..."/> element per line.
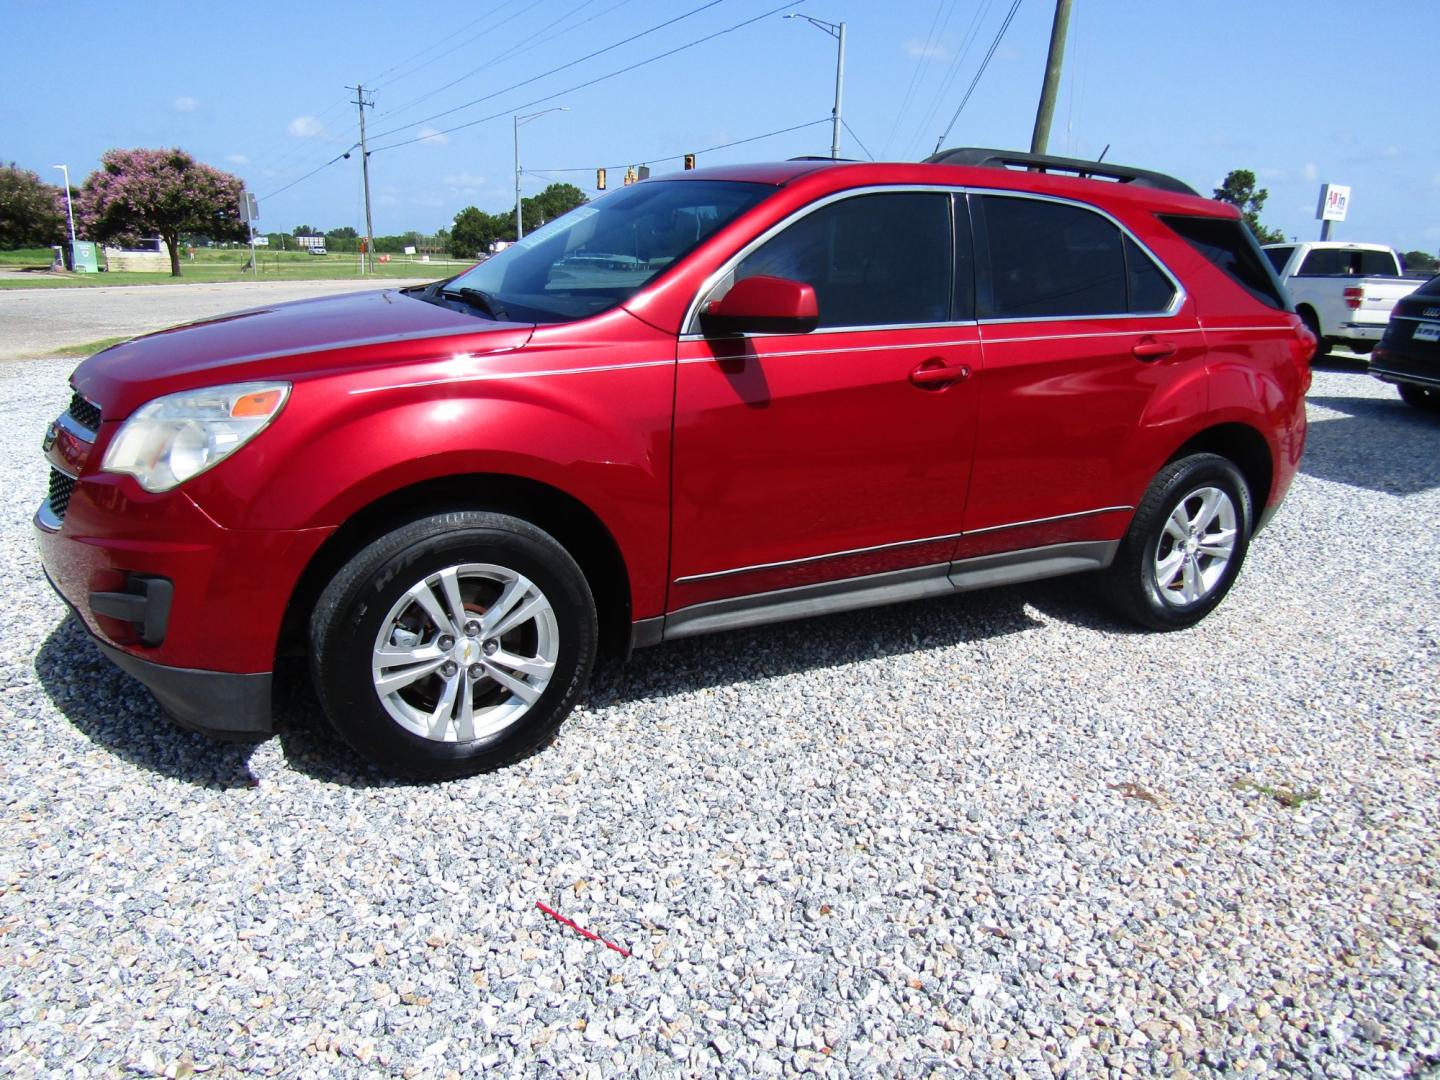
<point x="1430" y="288"/>
<point x="1278" y="257"/>
<point x="1150" y="291"/>
<point x="873" y="260"/>
<point x="1325" y="262"/>
<point x="1229" y="245"/>
<point x="1051" y="259"/>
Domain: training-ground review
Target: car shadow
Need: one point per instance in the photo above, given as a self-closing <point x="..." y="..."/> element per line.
<point x="1379" y="444"/>
<point x="117" y="713"/>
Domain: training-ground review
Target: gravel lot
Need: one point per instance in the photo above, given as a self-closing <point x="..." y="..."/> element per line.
<point x="998" y="833"/>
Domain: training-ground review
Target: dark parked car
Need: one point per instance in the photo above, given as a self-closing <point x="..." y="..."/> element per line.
<point x="1409" y="353"/>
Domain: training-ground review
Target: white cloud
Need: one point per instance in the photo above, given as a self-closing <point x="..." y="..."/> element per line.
<point x="464" y="181"/>
<point x="237" y="159"/>
<point x="184" y="104"/>
<point x="1390" y="152"/>
<point x="430" y="135"/>
<point x="1006" y="53"/>
<point x="303" y="127"/>
<point x="922" y="50"/>
<point x="1311" y="172"/>
<point x="1270" y="172"/>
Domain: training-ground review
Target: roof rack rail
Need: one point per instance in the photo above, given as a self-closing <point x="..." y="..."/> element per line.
<point x="824" y="157"/>
<point x="1000" y="159"/>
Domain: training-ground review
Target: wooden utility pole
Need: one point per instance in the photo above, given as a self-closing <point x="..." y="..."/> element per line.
<point x="1046" y="112"/>
<point x="362" y="104"/>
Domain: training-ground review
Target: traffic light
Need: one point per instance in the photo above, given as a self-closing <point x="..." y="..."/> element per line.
<point x="644" y="172"/>
<point x="689" y="161"/>
<point x="630" y="177"/>
<point x="600" y="179"/>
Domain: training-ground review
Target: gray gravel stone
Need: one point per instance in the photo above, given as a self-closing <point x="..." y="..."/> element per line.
<point x="889" y="843"/>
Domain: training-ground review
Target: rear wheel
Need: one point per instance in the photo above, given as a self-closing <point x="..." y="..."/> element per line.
<point x="1422" y="397"/>
<point x="1185" y="545"/>
<point x="454" y="644"/>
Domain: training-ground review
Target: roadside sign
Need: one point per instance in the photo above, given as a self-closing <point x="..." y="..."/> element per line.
<point x="83" y="257"/>
<point x="1334" y="202"/>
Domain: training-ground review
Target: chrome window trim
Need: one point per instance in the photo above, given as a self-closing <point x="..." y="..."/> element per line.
<point x="690" y="327"/>
<point x="1177" y="303"/>
<point x="687" y="579"/>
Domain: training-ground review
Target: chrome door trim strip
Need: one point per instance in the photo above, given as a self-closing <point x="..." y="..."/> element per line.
<point x="874" y="590"/>
<point x="833" y="352"/>
<point x="814" y="558"/>
<point x="1048" y="520"/>
<point x="689" y="578"/>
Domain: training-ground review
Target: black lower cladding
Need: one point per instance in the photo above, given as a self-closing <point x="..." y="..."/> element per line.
<point x="217" y="703"/>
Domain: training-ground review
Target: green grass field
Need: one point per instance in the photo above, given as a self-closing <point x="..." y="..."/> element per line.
<point x="227" y="265"/>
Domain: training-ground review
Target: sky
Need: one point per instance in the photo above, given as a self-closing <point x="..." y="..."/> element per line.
<point x="1298" y="91"/>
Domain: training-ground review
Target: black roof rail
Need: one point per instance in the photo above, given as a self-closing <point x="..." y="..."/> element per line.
<point x="824" y="157"/>
<point x="1000" y="159"/>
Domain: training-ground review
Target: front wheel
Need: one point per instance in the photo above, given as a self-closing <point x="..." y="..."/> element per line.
<point x="454" y="644"/>
<point x="1185" y="545"/>
<point x="1422" y="397"/>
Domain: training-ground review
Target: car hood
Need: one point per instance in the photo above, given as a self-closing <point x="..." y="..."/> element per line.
<point x="285" y="341"/>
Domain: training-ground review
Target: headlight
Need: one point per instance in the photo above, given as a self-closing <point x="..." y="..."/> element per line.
<point x="173" y="438"/>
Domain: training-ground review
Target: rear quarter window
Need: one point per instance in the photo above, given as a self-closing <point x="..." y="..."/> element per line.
<point x="1228" y="245"/>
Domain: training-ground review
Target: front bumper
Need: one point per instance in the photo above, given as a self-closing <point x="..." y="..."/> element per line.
<point x="191" y="609"/>
<point x="218" y="703"/>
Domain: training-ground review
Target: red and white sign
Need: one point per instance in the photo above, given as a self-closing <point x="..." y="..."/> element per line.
<point x="1334" y="201"/>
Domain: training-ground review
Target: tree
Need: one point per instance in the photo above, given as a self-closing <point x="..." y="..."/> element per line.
<point x="32" y="212"/>
<point x="1420" y="260"/>
<point x="305" y="230"/>
<point x="344" y="232"/>
<point x="474" y="231"/>
<point x="162" y="192"/>
<point x="1239" y="190"/>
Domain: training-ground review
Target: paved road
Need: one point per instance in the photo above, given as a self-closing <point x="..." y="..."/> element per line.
<point x="34" y="322"/>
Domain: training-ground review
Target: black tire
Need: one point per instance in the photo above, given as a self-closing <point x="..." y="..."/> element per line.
<point x="363" y="597"/>
<point x="1132" y="585"/>
<point x="1422" y="397"/>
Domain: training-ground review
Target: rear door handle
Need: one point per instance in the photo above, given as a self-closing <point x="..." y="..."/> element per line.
<point x="1148" y="349"/>
<point x="932" y="375"/>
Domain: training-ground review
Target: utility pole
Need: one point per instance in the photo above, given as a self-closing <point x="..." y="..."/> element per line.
<point x="1046" y="112"/>
<point x="519" y="224"/>
<point x="362" y="104"/>
<point x="837" y="31"/>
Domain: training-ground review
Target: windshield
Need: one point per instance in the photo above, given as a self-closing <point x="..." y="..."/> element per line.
<point x="601" y="254"/>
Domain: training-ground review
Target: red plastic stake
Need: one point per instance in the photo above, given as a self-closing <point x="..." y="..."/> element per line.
<point x="580" y="929"/>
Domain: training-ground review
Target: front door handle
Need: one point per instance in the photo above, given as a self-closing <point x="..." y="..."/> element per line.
<point x="1148" y="349"/>
<point x="935" y="375"/>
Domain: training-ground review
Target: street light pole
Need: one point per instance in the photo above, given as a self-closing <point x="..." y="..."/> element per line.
<point x="69" y="212"/>
<point x="837" y="31"/>
<point x="519" y="223"/>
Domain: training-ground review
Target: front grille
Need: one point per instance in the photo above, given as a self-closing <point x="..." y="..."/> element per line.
<point x="61" y="488"/>
<point x="85" y="412"/>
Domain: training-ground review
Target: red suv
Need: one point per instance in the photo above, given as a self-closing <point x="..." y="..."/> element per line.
<point x="712" y="400"/>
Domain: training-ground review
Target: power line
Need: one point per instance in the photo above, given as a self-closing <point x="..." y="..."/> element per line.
<point x="449" y="39"/>
<point x="677" y="157"/>
<point x="588" y="82"/>
<point x="947" y="80"/>
<point x="543" y="74"/>
<point x="1009" y="17"/>
<point x="533" y="41"/>
<point x="312" y="172"/>
<point x="924" y="54"/>
<point x="862" y="146"/>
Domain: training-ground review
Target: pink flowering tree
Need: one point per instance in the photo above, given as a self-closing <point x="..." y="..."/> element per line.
<point x="161" y="193"/>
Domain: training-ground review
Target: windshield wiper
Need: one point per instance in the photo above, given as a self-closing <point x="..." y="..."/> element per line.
<point x="478" y="298"/>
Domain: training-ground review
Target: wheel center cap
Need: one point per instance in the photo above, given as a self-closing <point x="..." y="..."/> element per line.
<point x="1192" y="545"/>
<point x="468" y="651"/>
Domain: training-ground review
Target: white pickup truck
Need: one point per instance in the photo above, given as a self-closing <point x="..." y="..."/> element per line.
<point x="1344" y="292"/>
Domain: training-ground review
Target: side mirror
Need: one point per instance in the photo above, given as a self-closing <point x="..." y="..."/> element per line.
<point x="763" y="305"/>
